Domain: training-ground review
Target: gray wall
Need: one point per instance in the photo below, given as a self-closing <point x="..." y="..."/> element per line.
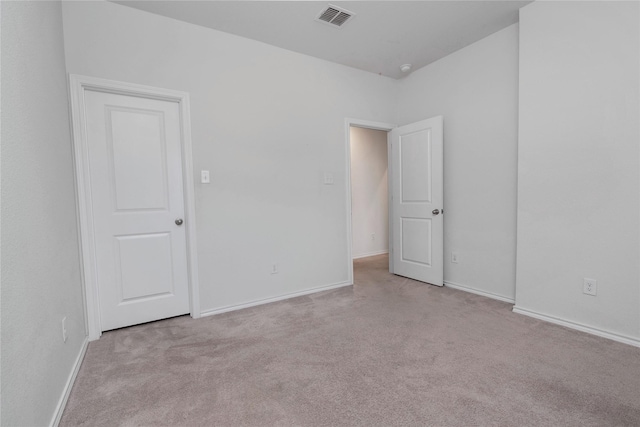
<point x="578" y="181"/>
<point x="40" y="264"/>
<point x="476" y="90"/>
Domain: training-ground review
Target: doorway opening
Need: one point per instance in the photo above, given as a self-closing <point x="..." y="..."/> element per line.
<point x="368" y="190"/>
<point x="415" y="196"/>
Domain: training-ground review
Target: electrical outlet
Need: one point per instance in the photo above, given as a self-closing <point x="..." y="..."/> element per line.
<point x="373" y="236"/>
<point x="590" y="286"/>
<point x="274" y="269"/>
<point x="455" y="258"/>
<point x="64" y="329"/>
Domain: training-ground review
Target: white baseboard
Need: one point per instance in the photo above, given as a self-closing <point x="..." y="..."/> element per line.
<point x="368" y="254"/>
<point x="478" y="292"/>
<point x="62" y="403"/>
<point x="235" y="307"/>
<point x="578" y="326"/>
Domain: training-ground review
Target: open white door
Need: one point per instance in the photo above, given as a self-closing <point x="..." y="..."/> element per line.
<point x="417" y="182"/>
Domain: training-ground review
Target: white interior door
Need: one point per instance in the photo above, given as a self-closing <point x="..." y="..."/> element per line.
<point x="417" y="200"/>
<point x="135" y="164"/>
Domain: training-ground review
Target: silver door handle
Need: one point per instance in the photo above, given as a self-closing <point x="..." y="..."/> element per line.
<point x="435" y="211"/>
<point x="179" y="221"/>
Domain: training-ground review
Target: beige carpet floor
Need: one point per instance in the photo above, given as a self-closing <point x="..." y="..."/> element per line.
<point x="388" y="351"/>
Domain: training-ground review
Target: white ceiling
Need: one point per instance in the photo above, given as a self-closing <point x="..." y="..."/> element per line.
<point x="382" y="36"/>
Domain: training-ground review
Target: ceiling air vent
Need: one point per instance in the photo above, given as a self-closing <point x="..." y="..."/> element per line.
<point x="334" y="16"/>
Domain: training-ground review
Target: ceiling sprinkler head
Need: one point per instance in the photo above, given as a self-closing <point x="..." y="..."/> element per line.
<point x="405" y="68"/>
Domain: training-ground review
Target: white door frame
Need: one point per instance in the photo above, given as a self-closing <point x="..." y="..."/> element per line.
<point x="375" y="126"/>
<point x="77" y="86"/>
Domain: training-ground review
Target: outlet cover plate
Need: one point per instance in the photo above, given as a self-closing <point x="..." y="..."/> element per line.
<point x="590" y="286"/>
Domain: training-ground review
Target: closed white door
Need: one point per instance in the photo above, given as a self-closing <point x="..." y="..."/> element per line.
<point x="417" y="181"/>
<point x="135" y="164"/>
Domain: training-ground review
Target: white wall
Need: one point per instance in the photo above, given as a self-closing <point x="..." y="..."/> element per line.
<point x="40" y="262"/>
<point x="266" y="122"/>
<point x="578" y="171"/>
<point x="476" y="90"/>
<point x="369" y="197"/>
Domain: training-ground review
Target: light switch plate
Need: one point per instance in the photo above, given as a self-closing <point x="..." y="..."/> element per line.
<point x="204" y="177"/>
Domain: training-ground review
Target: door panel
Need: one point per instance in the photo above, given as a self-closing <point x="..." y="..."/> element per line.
<point x="137" y="149"/>
<point x="416" y="240"/>
<point x="417" y="181"/>
<point x="133" y="254"/>
<point x="135" y="162"/>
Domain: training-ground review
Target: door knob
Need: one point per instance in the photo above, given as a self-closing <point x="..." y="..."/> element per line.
<point x="179" y="221"/>
<point x="435" y="211"/>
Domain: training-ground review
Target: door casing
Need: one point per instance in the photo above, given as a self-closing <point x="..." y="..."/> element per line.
<point x="78" y="85"/>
